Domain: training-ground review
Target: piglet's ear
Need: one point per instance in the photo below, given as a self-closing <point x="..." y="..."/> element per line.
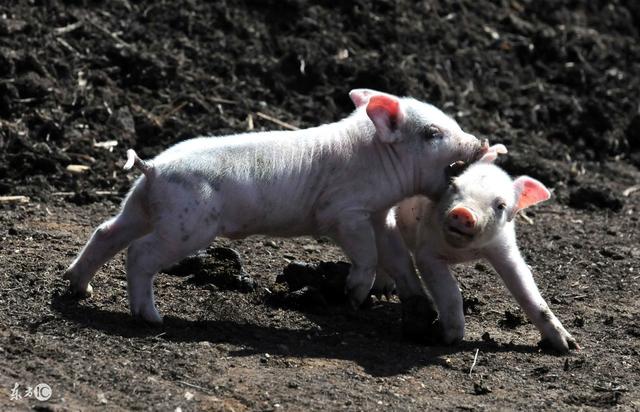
<point x="529" y="192"/>
<point x="360" y="97"/>
<point x="386" y="114"/>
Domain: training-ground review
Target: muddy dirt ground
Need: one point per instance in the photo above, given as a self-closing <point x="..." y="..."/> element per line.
<point x="81" y="81"/>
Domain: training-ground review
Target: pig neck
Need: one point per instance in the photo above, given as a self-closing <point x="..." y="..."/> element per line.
<point x="398" y="171"/>
<point x="379" y="171"/>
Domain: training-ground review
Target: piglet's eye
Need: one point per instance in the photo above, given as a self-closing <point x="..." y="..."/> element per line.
<point x="433" y="132"/>
<point x="501" y="206"/>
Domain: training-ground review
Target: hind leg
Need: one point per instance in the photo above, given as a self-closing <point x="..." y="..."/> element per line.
<point x="145" y="257"/>
<point x="108" y="239"/>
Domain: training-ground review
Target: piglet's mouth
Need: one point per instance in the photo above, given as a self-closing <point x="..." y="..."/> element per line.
<point x="454" y="230"/>
<point x="457" y="238"/>
<point x="482" y="150"/>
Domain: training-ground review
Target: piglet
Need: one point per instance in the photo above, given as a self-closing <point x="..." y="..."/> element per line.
<point x="338" y="179"/>
<point x="474" y="219"/>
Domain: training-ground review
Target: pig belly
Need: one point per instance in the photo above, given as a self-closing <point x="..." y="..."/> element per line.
<point x="250" y="211"/>
<point x="241" y="227"/>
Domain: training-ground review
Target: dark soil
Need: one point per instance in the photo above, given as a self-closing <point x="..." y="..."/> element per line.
<point x="556" y="81"/>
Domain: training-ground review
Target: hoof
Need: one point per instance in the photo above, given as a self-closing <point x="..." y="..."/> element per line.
<point x="357" y="295"/>
<point x="81" y="293"/>
<point x="77" y="290"/>
<point x="561" y="347"/>
<point x="149" y="317"/>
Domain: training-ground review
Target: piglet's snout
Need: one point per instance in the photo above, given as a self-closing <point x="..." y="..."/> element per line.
<point x="462" y="219"/>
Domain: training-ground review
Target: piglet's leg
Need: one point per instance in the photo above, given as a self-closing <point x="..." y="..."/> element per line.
<point x="145" y="257"/>
<point x="446" y="294"/>
<point x="394" y="259"/>
<point x="355" y="234"/>
<point x="519" y="280"/>
<point x="107" y="240"/>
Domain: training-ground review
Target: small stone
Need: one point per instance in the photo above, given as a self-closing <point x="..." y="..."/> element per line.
<point x="486" y="337"/>
<point x="481" y="267"/>
<point x="77" y="169"/>
<point x="102" y="399"/>
<point x="612" y="252"/>
<point x="311" y="247"/>
<point x="272" y="244"/>
<point x="481" y="389"/>
<point x="512" y="320"/>
<point x="470" y="304"/>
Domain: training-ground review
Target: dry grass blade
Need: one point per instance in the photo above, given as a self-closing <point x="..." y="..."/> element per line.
<point x="14" y="199"/>
<point x="475" y="359"/>
<point x="276" y="121"/>
<point x="628" y="191"/>
<point x="68" y="28"/>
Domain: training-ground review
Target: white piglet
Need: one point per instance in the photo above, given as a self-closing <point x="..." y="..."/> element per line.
<point x="337" y="179"/>
<point x="475" y="220"/>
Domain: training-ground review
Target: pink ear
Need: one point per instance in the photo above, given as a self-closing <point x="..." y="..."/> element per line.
<point x="360" y="97"/>
<point x="384" y="111"/>
<point x="529" y="191"/>
<point x="382" y="105"/>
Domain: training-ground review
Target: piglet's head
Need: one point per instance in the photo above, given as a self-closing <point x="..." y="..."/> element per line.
<point x="482" y="201"/>
<point x="425" y="140"/>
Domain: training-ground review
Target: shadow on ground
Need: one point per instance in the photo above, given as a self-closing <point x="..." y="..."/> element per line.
<point x="364" y="343"/>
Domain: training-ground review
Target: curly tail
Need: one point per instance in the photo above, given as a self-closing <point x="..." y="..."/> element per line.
<point x="134" y="161"/>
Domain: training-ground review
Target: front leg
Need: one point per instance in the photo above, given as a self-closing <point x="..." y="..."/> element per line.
<point x="394" y="259"/>
<point x="354" y="233"/>
<point x="419" y="313"/>
<point x="519" y="280"/>
<point x="445" y="292"/>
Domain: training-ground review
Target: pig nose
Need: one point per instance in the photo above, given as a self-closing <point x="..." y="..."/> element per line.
<point x="463" y="216"/>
